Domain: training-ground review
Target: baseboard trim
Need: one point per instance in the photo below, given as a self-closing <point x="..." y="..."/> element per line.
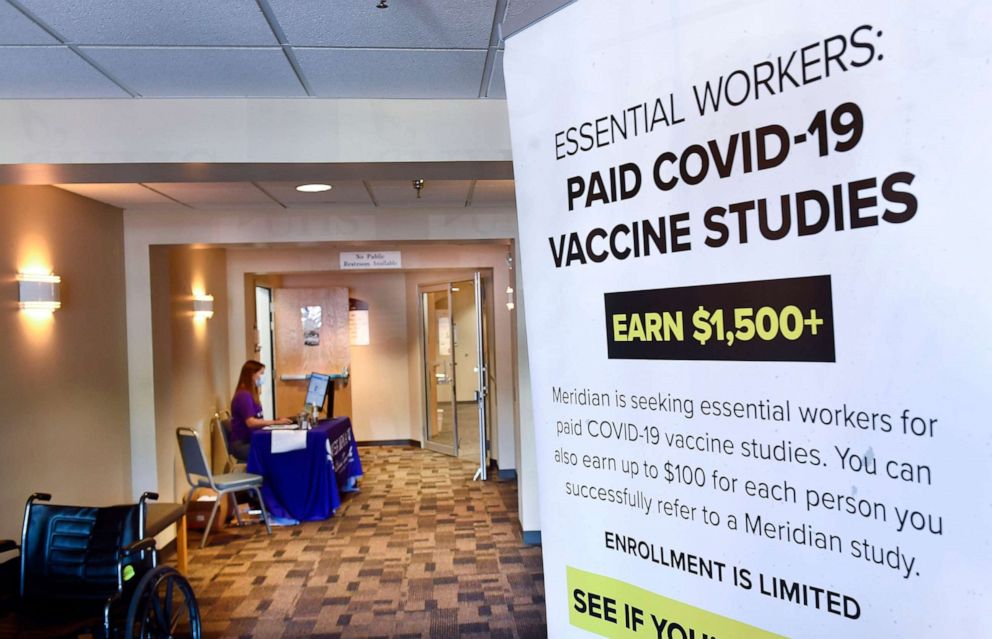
<point x="391" y="442"/>
<point x="532" y="537"/>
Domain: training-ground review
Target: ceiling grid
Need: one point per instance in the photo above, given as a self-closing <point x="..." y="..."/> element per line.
<point x="432" y="49"/>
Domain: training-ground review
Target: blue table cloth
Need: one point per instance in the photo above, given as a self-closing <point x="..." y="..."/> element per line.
<point x="304" y="484"/>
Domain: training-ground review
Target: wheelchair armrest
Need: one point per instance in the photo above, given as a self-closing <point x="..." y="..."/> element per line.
<point x="148" y="543"/>
<point x="7" y="545"/>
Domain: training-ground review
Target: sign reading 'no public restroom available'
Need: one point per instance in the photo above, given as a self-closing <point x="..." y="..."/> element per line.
<point x="370" y="260"/>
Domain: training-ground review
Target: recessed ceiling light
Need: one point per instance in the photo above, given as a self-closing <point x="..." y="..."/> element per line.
<point x="313" y="188"/>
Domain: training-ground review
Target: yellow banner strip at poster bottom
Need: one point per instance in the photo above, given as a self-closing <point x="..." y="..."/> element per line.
<point x="616" y="609"/>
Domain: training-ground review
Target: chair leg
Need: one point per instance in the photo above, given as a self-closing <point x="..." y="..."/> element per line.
<point x="265" y="513"/>
<point x="210" y="522"/>
<point x="237" y="511"/>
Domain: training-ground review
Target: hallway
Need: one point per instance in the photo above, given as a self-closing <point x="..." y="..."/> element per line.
<point x="421" y="551"/>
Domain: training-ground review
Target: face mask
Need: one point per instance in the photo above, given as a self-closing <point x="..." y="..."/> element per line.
<point x="260" y="381"/>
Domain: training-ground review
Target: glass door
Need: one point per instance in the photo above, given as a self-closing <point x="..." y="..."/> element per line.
<point x="438" y="341"/>
<point x="485" y="378"/>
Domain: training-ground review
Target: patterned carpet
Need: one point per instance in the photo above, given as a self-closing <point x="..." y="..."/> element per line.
<point x="421" y="551"/>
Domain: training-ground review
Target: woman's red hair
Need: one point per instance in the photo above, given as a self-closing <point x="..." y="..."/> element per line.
<point x="246" y="381"/>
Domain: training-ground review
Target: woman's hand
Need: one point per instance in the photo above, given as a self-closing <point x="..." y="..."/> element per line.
<point x="255" y="422"/>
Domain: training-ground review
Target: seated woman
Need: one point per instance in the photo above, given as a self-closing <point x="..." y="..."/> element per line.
<point x="246" y="409"/>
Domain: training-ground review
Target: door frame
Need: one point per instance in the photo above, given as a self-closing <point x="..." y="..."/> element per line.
<point x="270" y="378"/>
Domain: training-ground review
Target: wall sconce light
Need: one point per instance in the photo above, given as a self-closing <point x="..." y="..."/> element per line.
<point x="39" y="292"/>
<point x="203" y="306"/>
<point x="509" y="298"/>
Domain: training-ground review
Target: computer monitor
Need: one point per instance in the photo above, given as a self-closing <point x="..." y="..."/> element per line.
<point x="318" y="388"/>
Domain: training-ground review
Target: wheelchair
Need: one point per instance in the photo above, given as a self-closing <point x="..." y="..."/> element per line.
<point x="91" y="571"/>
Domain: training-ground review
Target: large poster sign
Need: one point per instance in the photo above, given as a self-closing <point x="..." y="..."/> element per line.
<point x="755" y="251"/>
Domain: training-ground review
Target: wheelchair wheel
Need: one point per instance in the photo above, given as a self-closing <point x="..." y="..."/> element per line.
<point x="163" y="606"/>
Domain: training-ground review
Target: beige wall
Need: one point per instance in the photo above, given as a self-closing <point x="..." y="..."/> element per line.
<point x="378" y="383"/>
<point x="190" y="354"/>
<point x="529" y="484"/>
<point x="63" y="379"/>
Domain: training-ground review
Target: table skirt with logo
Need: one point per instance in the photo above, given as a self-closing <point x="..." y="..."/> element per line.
<point x="305" y="470"/>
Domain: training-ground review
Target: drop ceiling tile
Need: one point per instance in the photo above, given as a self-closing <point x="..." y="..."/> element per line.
<point x="343" y="192"/>
<point x="392" y="73"/>
<point x="431" y="24"/>
<point x="497" y="87"/>
<point x="124" y="196"/>
<point x="51" y="72"/>
<point x="435" y="194"/>
<point x="153" y="22"/>
<point x="200" y="72"/>
<point x="16" y="28"/>
<point x="493" y="192"/>
<point x="214" y="194"/>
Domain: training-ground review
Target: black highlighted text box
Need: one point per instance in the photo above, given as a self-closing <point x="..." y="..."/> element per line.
<point x="784" y="320"/>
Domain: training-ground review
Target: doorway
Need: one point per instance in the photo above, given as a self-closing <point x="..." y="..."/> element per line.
<point x="263" y="347"/>
<point x="455" y="346"/>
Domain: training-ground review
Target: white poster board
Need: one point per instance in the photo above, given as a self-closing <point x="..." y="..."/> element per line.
<point x="358" y="327"/>
<point x="751" y="427"/>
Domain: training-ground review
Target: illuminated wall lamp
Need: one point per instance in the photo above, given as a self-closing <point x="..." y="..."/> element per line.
<point x="203" y="306"/>
<point x="39" y="292"/>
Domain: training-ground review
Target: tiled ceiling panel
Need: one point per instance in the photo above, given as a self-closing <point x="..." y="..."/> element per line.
<point x="497" y="87"/>
<point x="200" y="72"/>
<point x="155" y="22"/>
<point x="393" y="73"/>
<point x="215" y="194"/>
<point x="493" y="192"/>
<point x="254" y="48"/>
<point x="16" y="28"/>
<point x="51" y="72"/>
<point x="436" y="193"/>
<point x="432" y="24"/>
<point x="124" y="196"/>
<point x="343" y="192"/>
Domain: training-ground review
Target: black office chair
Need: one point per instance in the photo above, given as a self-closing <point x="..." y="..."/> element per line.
<point x="85" y="569"/>
<point x="199" y="476"/>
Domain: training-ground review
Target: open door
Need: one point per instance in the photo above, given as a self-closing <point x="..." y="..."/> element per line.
<point x="482" y="393"/>
<point x="437" y="339"/>
<point x="458" y="378"/>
